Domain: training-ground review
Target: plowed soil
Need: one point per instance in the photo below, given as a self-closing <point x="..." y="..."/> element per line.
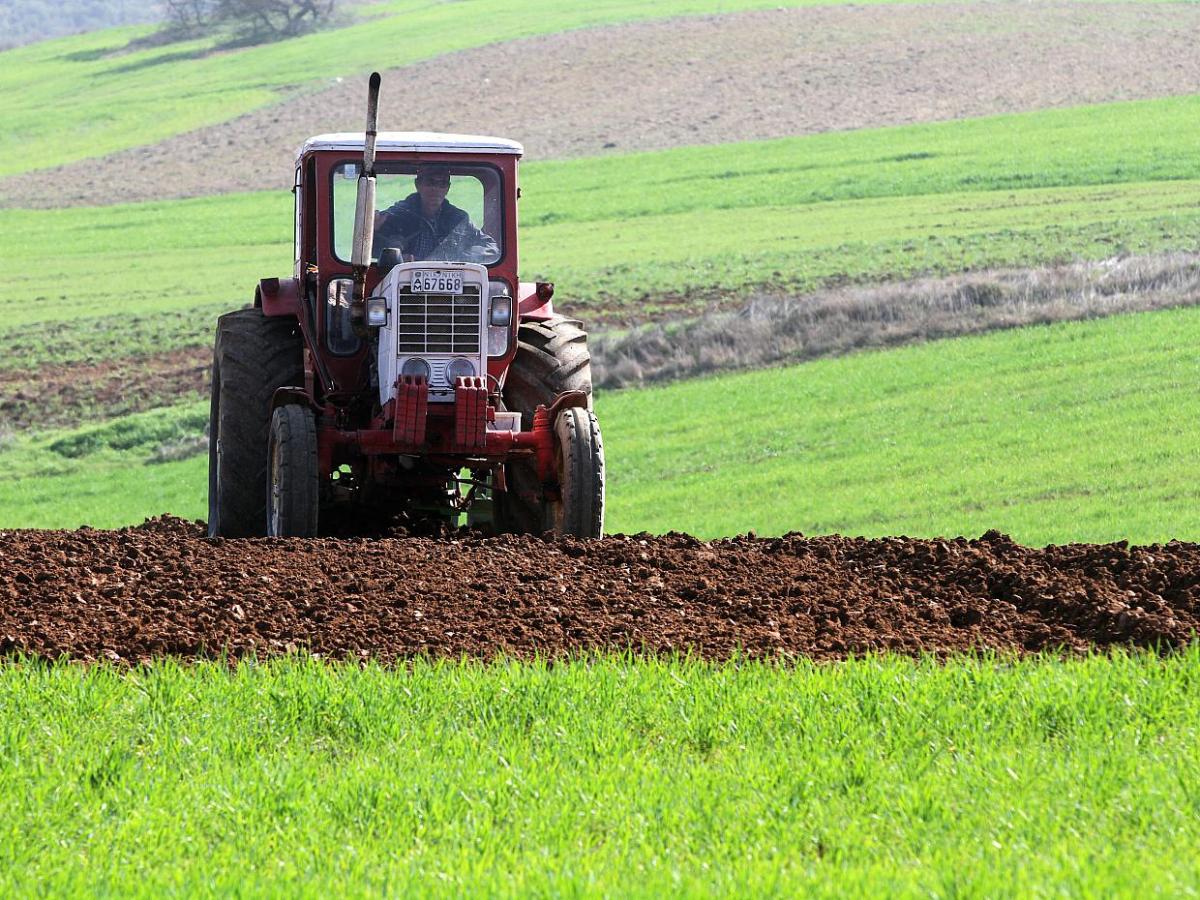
<point x="690" y="80"/>
<point x="163" y="589"/>
<point x="55" y="396"/>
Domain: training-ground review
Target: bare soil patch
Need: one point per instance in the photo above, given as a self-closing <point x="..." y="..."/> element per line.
<point x="56" y="396"/>
<point x="162" y="589"/>
<point x="696" y="80"/>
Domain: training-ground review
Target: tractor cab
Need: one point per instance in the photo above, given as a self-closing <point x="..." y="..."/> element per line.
<point x="473" y="226"/>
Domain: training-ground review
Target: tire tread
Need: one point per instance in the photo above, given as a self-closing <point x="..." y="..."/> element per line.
<point x="294" y="430"/>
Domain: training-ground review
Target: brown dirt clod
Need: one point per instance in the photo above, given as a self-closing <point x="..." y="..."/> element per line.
<point x="163" y="589"/>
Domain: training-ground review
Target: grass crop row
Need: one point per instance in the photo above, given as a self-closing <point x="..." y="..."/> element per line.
<point x="177" y="263"/>
<point x="105" y="98"/>
<point x="606" y="776"/>
<point x="84" y="475"/>
<point x="1145" y="140"/>
<point x="1072" y="432"/>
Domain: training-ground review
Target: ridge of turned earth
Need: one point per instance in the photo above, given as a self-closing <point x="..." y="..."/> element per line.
<point x="163" y="589"/>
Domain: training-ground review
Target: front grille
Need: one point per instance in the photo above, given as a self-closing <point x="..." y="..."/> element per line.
<point x="438" y="323"/>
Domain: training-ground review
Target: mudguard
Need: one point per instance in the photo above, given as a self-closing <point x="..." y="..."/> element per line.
<point x="533" y="301"/>
<point x="278" y="297"/>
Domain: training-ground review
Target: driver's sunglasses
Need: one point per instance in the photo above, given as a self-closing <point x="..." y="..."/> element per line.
<point x="444" y="181"/>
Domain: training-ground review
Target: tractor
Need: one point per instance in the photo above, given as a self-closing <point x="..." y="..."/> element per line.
<point x="403" y="371"/>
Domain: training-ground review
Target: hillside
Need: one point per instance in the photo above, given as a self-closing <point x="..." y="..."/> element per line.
<point x="598" y="91"/>
<point x="1078" y="431"/>
<point x="108" y="310"/>
<point x="106" y="98"/>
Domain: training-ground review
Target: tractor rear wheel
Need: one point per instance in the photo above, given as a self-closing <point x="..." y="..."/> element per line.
<point x="253" y="357"/>
<point x="293" y="481"/>
<point x="552" y="357"/>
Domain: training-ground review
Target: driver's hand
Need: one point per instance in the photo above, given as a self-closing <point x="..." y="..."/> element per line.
<point x="380" y="218"/>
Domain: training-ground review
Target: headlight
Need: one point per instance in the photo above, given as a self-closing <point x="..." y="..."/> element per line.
<point x="499" y="317"/>
<point x="459" y="368"/>
<point x="416" y="367"/>
<point x="340" y="292"/>
<point x="501" y="312"/>
<point x="377" y="312"/>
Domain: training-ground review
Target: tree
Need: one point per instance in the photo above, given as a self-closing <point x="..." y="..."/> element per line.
<point x="253" y="20"/>
<point x="273" y="19"/>
<point x="190" y="16"/>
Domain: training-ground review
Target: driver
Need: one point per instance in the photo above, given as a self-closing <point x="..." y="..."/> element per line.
<point x="424" y="225"/>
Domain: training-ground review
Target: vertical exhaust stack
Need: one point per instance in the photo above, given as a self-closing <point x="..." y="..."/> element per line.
<point x="364" y="211"/>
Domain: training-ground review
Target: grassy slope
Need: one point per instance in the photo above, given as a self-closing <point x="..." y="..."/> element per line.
<point x="1074" y="432"/>
<point x="84" y="475"/>
<point x="1145" y="140"/>
<point x="878" y="777"/>
<point x="890" y="202"/>
<point x="103" y="100"/>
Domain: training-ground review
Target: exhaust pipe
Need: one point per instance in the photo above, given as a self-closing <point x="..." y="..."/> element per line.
<point x="364" y="212"/>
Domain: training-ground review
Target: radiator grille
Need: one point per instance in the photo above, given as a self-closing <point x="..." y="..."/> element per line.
<point x="438" y="323"/>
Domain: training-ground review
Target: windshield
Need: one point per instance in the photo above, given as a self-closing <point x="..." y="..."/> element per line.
<point x="447" y="213"/>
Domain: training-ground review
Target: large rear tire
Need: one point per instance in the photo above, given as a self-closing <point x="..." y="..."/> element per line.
<point x="552" y="357"/>
<point x="293" y="482"/>
<point x="253" y="357"/>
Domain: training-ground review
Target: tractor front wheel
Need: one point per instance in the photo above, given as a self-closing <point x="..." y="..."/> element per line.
<point x="293" y="483"/>
<point x="552" y="358"/>
<point x="579" y="510"/>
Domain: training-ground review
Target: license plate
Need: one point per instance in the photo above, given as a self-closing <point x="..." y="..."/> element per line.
<point x="435" y="281"/>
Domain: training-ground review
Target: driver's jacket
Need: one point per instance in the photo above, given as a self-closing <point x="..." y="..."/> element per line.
<point x="449" y="236"/>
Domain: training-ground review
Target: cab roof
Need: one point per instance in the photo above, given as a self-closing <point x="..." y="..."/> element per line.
<point x="412" y="142"/>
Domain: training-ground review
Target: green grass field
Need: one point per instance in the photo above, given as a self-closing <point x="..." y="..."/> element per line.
<point x="603" y="777"/>
<point x="1072" y="432"/>
<point x="617" y="235"/>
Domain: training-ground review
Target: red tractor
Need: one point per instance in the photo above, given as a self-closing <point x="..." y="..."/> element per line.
<point x="403" y="370"/>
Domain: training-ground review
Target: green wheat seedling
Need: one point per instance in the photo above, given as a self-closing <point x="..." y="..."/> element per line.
<point x="603" y="776"/>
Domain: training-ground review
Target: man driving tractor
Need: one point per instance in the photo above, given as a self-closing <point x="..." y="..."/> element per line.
<point x="425" y="225"/>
